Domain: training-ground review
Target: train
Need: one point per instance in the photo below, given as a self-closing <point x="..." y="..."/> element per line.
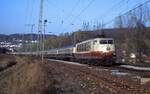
<point x="96" y="51"/>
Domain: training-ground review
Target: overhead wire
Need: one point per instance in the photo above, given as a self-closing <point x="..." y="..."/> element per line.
<point x="80" y="13"/>
<point x="26" y="21"/>
<point x="31" y="12"/>
<point x="84" y="9"/>
<point x="26" y="12"/>
<point x="70" y="13"/>
<point x="50" y="3"/>
<point x="148" y="1"/>
<point x="73" y="9"/>
<point x="111" y="8"/>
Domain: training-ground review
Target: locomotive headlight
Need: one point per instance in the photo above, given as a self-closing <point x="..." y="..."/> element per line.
<point x="114" y="53"/>
<point x="108" y="48"/>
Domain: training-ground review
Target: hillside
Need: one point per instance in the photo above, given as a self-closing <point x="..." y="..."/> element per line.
<point x="14" y="37"/>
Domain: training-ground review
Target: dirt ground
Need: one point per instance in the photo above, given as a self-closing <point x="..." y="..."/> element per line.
<point x="30" y="76"/>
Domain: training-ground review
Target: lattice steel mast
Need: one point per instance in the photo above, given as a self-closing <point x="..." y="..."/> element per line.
<point x="40" y="29"/>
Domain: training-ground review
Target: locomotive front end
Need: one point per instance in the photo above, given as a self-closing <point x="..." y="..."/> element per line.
<point x="106" y="49"/>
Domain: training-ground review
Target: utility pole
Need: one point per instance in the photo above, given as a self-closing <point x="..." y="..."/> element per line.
<point x="23" y="42"/>
<point x="40" y="29"/>
<point x="74" y="36"/>
<point x="43" y="38"/>
<point x="139" y="36"/>
<point x="31" y="37"/>
<point x="32" y="28"/>
<point x="101" y="29"/>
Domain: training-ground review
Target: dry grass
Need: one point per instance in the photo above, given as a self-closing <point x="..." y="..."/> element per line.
<point x="27" y="77"/>
<point x="6" y="61"/>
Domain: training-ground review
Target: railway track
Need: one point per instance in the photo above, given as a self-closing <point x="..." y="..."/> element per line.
<point x="118" y="66"/>
<point x="102" y="81"/>
<point x="135" y="68"/>
<point x="112" y="84"/>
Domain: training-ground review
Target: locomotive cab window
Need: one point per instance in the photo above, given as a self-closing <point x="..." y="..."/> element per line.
<point x="94" y="42"/>
<point x="110" y="41"/>
<point x="103" y="41"/>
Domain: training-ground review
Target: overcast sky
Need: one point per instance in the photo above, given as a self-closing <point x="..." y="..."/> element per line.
<point x="62" y="15"/>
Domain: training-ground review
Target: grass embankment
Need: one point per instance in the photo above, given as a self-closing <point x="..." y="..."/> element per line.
<point x="6" y="61"/>
<point x="26" y="77"/>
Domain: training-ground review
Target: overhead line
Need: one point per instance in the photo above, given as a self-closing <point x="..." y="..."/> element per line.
<point x="74" y="6"/>
<point x="54" y="5"/>
<point x="136" y="7"/>
<point x="82" y="11"/>
<point x="110" y="9"/>
<point x="70" y="13"/>
<point x="26" y="11"/>
<point x="31" y="12"/>
<point x="128" y="11"/>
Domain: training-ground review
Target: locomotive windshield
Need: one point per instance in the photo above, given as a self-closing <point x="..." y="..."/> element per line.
<point x="103" y="41"/>
<point x="110" y="41"/>
<point x="106" y="41"/>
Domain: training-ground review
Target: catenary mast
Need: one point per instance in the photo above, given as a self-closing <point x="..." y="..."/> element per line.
<point x="40" y="29"/>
